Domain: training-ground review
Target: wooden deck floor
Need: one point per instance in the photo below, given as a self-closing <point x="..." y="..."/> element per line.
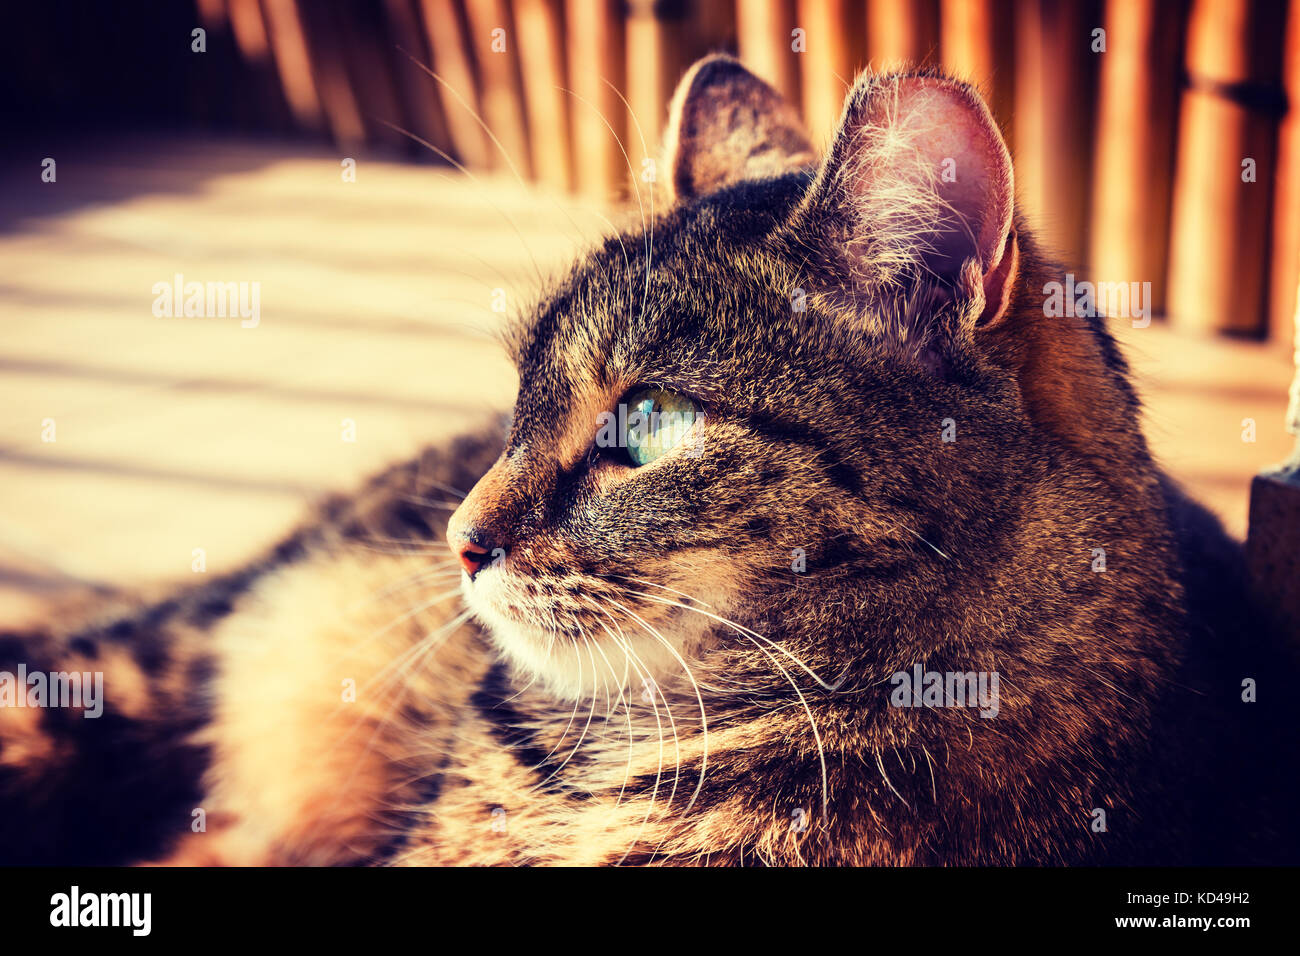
<point x="179" y="433"/>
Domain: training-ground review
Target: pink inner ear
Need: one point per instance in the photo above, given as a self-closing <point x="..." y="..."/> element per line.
<point x="935" y="138"/>
<point x="982" y="191"/>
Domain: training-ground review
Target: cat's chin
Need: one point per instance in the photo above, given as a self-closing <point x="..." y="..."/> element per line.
<point x="569" y="669"/>
<point x="577" y="662"/>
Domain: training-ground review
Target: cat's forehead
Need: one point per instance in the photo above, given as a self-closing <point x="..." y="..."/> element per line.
<point x="703" y="277"/>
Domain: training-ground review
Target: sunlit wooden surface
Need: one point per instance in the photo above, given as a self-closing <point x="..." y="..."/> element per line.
<point x="181" y="433"/>
<point x="1202" y="396"/>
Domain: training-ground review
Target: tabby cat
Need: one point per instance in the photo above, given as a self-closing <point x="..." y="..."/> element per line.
<point x="806" y="438"/>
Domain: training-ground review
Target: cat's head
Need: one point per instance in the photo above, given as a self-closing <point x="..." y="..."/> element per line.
<point x="751" y="402"/>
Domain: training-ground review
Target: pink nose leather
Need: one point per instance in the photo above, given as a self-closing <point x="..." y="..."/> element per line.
<point x="472" y="557"/>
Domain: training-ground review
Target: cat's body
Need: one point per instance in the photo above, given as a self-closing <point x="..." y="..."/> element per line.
<point x="693" y="660"/>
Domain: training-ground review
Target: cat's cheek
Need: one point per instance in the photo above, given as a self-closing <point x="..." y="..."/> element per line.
<point x="606" y="475"/>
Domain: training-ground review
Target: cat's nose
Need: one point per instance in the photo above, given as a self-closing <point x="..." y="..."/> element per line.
<point x="472" y="556"/>
<point x="472" y="544"/>
<point x="479" y="531"/>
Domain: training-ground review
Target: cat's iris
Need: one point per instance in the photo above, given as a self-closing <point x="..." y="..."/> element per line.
<point x="656" y="422"/>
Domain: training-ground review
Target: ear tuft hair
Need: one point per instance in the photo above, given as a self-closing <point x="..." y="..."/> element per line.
<point x="726" y="125"/>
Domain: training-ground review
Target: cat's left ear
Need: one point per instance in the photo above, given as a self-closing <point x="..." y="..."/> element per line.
<point x="914" y="208"/>
<point x="726" y="125"/>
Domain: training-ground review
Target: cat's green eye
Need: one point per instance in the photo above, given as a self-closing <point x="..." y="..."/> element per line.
<point x="656" y="422"/>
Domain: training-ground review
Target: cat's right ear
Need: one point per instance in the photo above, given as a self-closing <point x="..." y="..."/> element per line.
<point x="725" y="125"/>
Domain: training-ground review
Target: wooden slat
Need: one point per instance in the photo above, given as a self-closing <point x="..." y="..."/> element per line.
<point x="293" y="62"/>
<point x="1220" y="240"/>
<point x="977" y="44"/>
<point x="250" y="33"/>
<point x="834" y="34"/>
<point x="421" y="103"/>
<point x="500" y="86"/>
<point x="1285" y="257"/>
<point x="1136" y="117"/>
<point x="599" y="116"/>
<point x="541" y="54"/>
<point x="711" y="28"/>
<point x="212" y="14"/>
<point x="263" y="92"/>
<point x="763" y="30"/>
<point x="325" y="50"/>
<point x="902" y="33"/>
<point x="1055" y="91"/>
<point x="369" y="60"/>
<point x="444" y="25"/>
<point x="656" y="57"/>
